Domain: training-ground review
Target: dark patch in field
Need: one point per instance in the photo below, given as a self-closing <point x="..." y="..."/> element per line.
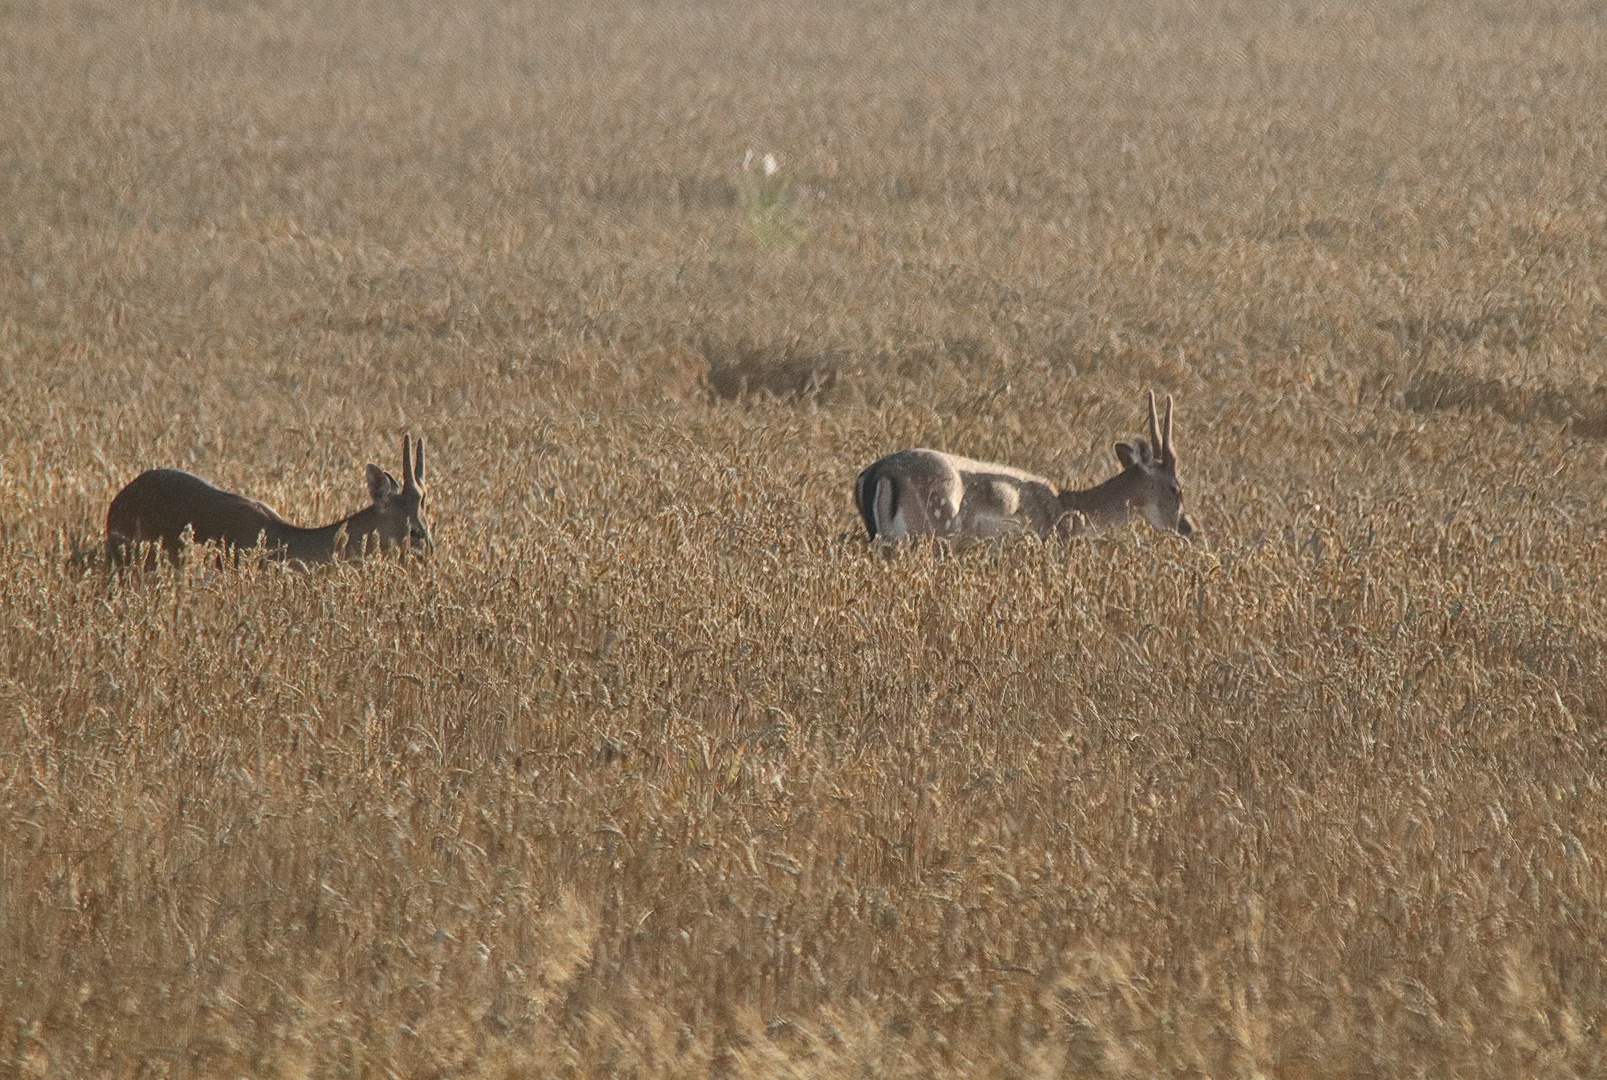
<point x="1506" y="328"/>
<point x="796" y="372"/>
<point x="738" y="369"/>
<point x="920" y="360"/>
<point x="1583" y="409"/>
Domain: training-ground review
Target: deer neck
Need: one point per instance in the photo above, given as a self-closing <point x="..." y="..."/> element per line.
<point x="1102" y="504"/>
<point x="325" y="542"/>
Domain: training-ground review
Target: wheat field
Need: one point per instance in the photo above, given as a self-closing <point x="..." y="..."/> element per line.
<point x="652" y="768"/>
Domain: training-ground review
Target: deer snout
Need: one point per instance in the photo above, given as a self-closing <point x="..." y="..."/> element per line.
<point x="1185" y="525"/>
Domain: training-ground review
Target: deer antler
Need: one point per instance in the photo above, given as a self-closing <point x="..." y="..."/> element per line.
<point x="1154" y="428"/>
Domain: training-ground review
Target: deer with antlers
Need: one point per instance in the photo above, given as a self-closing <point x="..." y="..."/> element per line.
<point x="915" y="493"/>
<point x="161" y="507"/>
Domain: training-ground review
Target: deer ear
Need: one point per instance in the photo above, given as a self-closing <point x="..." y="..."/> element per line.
<point x="381" y="484"/>
<point x="1126" y="455"/>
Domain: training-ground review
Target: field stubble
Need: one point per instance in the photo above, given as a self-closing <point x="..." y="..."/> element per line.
<point x="653" y="769"/>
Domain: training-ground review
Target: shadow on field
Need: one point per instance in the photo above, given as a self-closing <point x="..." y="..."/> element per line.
<point x="794" y="372"/>
<point x="738" y="369"/>
<point x="1505" y="328"/>
<point x="1583" y="409"/>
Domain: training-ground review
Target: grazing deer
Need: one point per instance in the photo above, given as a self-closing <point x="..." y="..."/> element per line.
<point x="160" y="505"/>
<point x="930" y="493"/>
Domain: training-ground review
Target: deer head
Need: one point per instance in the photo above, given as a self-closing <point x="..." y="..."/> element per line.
<point x="401" y="506"/>
<point x="1151" y="469"/>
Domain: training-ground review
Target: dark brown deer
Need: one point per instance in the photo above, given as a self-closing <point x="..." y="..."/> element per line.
<point x="163" y="506"/>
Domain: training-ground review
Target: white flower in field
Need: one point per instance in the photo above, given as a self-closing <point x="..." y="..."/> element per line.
<point x="766" y="163"/>
<point x="766" y="199"/>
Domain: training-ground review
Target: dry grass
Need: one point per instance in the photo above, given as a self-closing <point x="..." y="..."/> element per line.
<point x="653" y="770"/>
